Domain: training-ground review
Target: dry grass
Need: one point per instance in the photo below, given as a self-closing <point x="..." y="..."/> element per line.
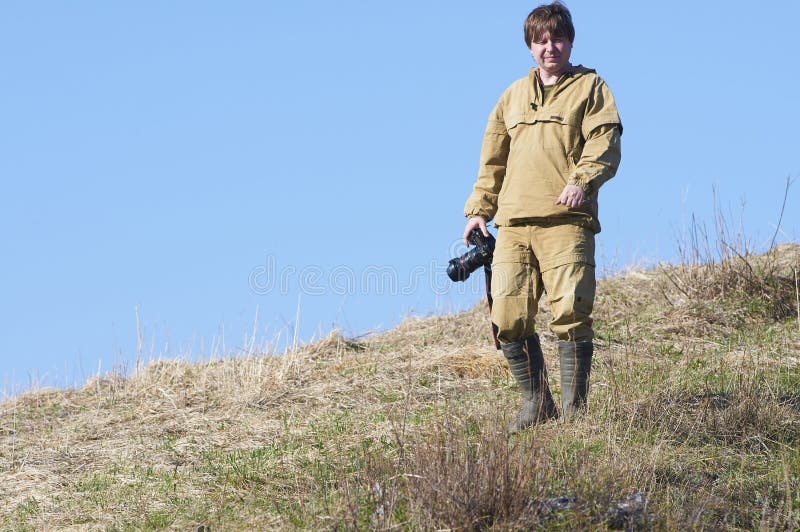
<point x="694" y="423"/>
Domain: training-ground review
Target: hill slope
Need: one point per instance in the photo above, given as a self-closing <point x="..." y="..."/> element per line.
<point x="694" y="422"/>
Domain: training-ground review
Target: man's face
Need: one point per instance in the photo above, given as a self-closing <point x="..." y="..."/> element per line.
<point x="551" y="53"/>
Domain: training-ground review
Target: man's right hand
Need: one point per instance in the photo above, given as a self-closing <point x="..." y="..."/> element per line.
<point x="472" y="223"/>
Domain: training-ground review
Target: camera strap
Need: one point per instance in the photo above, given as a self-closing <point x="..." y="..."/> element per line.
<point x="487" y="270"/>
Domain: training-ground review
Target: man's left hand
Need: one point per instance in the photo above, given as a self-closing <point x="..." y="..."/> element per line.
<point x="572" y="196"/>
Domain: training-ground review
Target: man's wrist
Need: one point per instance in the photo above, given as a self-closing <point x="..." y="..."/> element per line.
<point x="586" y="186"/>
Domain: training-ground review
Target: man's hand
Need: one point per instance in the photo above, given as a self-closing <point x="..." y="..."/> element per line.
<point x="472" y="223"/>
<point x="572" y="196"/>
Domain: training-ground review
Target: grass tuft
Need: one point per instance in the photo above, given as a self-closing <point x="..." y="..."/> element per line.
<point x="693" y="424"/>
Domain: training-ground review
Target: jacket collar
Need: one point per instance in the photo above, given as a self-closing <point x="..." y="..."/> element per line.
<point x="572" y="74"/>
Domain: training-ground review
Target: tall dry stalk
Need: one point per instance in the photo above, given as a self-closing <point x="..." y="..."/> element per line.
<point x="140" y="340"/>
<point x="797" y="298"/>
<point x="723" y="268"/>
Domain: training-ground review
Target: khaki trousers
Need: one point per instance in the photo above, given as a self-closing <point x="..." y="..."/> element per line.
<point x="557" y="259"/>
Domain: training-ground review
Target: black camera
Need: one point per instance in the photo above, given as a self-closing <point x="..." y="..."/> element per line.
<point x="459" y="268"/>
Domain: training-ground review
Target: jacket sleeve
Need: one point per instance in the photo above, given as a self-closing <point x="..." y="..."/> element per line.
<point x="601" y="153"/>
<point x="492" y="169"/>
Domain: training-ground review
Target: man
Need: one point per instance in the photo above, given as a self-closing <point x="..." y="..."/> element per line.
<point x="551" y="141"/>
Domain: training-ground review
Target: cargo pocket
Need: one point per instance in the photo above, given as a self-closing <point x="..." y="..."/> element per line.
<point x="562" y="244"/>
<point x="516" y="285"/>
<point x="511" y="263"/>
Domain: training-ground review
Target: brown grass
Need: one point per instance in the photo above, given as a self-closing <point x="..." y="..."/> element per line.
<point x="696" y="415"/>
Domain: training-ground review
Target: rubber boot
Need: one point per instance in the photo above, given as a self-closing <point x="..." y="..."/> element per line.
<point x="527" y="365"/>
<point x="576" y="364"/>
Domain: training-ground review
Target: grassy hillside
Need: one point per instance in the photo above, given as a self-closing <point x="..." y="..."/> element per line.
<point x="693" y="423"/>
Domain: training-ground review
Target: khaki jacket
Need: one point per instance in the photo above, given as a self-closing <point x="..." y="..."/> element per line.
<point x="532" y="150"/>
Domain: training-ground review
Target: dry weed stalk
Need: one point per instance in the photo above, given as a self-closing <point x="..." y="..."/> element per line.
<point x="725" y="271"/>
<point x="690" y="426"/>
<point x="797" y="297"/>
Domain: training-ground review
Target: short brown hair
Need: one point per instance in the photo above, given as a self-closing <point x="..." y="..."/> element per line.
<point x="554" y="19"/>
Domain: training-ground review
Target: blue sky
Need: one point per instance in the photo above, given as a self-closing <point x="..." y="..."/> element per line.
<point x="216" y="164"/>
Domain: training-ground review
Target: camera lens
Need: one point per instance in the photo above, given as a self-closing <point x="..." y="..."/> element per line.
<point x="456" y="271"/>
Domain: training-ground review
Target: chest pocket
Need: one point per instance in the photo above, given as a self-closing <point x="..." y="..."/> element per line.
<point x="552" y="128"/>
<point x="561" y="132"/>
<point x="516" y="122"/>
